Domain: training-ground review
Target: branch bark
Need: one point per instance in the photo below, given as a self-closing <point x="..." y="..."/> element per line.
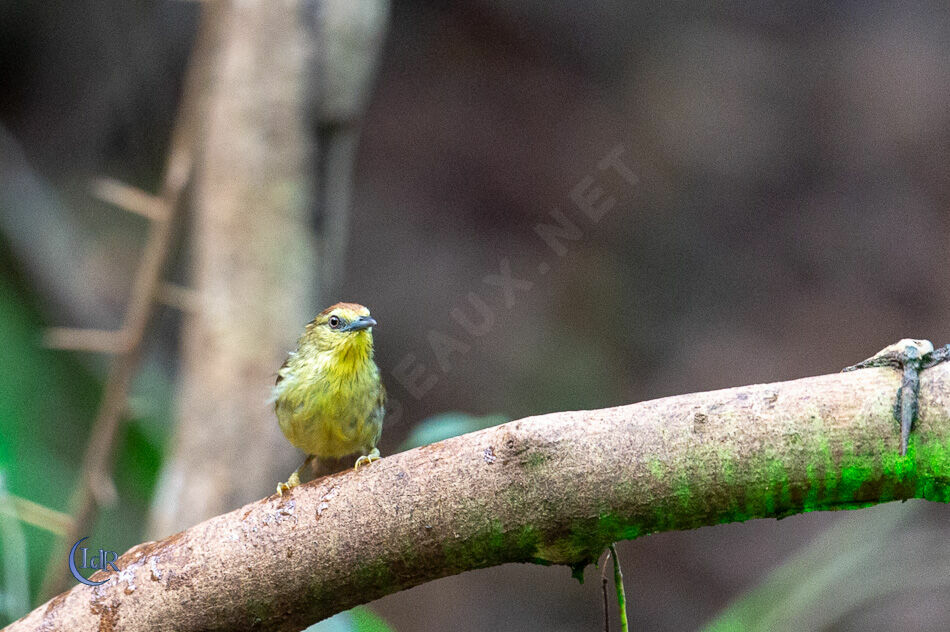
<point x="556" y="488"/>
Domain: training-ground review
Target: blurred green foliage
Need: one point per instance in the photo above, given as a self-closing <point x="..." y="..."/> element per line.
<point x="14" y="577"/>
<point x="355" y="620"/>
<point x="447" y="425"/>
<point x="366" y="621"/>
<point x="48" y="400"/>
<point x="837" y="579"/>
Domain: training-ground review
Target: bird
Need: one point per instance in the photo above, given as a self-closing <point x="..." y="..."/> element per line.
<point x="329" y="398"/>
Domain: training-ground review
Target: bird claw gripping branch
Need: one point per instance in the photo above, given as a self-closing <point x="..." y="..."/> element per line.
<point x="911" y="357"/>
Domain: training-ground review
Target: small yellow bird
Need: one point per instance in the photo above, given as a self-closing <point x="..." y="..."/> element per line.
<point x="329" y="399"/>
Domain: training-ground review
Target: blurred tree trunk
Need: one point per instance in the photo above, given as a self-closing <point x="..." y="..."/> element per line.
<point x="283" y="74"/>
<point x="253" y="264"/>
<point x="351" y="34"/>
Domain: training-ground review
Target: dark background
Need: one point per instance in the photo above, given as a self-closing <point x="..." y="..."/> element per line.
<point x="789" y="219"/>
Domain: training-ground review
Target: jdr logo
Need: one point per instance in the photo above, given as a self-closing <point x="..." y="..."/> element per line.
<point x="100" y="560"/>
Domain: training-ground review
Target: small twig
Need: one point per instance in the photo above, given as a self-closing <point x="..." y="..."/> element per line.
<point x="36" y="514"/>
<point x="618" y="585"/>
<point x="603" y="588"/>
<point x="92" y="490"/>
<point x="93" y="340"/>
<point x="95" y="485"/>
<point x="131" y="199"/>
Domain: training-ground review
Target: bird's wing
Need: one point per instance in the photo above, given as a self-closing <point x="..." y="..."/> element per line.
<point x="282" y="367"/>
<point x="381" y="398"/>
<point x="379" y="412"/>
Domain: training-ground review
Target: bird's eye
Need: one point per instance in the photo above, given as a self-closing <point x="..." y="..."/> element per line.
<point x="334" y="322"/>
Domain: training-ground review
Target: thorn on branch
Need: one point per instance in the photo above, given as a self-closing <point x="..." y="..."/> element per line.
<point x="131" y="199"/>
<point x="113" y="342"/>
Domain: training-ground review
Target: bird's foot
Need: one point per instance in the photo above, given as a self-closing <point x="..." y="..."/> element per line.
<point x="292" y="482"/>
<point x="366" y="459"/>
<point x="911" y="356"/>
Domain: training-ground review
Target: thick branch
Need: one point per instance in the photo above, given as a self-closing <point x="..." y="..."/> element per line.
<point x="551" y="489"/>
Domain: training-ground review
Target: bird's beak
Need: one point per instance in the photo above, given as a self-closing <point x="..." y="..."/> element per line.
<point x="363" y="322"/>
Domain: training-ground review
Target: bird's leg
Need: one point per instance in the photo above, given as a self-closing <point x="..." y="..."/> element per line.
<point x="292" y="482"/>
<point x="366" y="459"/>
<point x="911" y="356"/>
<point x="294" y="479"/>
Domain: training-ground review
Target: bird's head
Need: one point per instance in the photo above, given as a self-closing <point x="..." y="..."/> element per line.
<point x="343" y="328"/>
